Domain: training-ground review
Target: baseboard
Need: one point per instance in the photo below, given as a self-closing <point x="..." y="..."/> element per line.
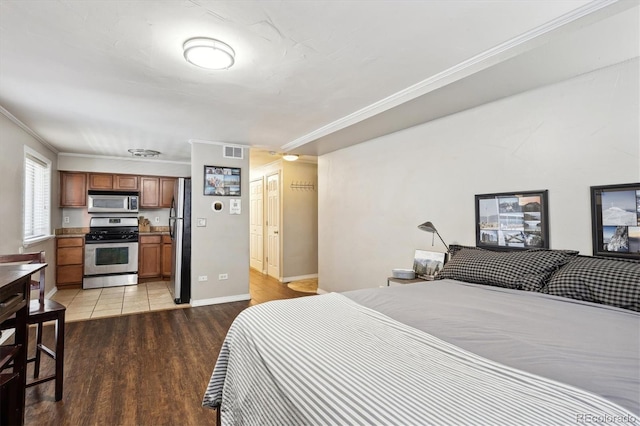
<point x="321" y="291"/>
<point x="219" y="300"/>
<point x="299" y="277"/>
<point x="53" y="291"/>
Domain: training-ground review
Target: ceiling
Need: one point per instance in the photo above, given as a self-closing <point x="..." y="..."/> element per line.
<point x="101" y="77"/>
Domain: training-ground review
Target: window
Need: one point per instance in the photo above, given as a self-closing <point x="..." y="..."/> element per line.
<point x="37" y="197"/>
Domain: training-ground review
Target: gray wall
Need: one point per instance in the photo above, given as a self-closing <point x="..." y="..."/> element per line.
<point x="564" y="138"/>
<point x="12" y="141"/>
<point x="222" y="247"/>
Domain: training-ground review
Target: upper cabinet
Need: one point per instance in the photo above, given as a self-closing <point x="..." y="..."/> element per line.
<point x="109" y="182"/>
<point x="156" y="192"/>
<point x="166" y="191"/>
<point x="73" y="189"/>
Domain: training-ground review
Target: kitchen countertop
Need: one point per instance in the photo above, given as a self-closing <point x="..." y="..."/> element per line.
<point x="81" y="232"/>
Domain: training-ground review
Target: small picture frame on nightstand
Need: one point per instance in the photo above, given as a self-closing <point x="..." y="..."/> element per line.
<point x="427" y="264"/>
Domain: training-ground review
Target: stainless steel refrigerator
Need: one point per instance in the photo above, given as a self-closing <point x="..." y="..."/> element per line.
<point x="180" y="231"/>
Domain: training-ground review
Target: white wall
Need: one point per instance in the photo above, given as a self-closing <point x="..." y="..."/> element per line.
<point x="222" y="247"/>
<point x="564" y="138"/>
<point x="12" y="142"/>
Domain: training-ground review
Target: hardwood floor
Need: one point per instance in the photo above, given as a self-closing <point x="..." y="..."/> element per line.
<point x="142" y="369"/>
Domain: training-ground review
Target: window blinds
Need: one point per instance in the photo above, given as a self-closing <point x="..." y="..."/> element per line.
<point x="37" y="190"/>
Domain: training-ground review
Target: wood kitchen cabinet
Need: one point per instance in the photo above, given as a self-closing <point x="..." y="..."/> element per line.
<point x="111" y="182"/>
<point x="167" y="260"/>
<point x="69" y="262"/>
<point x="156" y="192"/>
<point x="73" y="189"/>
<point x="166" y="191"/>
<point x="150" y="256"/>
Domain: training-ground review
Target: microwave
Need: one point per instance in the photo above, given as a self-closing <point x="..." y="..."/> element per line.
<point x="112" y="202"/>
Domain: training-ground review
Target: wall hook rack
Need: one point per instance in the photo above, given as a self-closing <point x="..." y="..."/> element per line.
<point x="305" y="186"/>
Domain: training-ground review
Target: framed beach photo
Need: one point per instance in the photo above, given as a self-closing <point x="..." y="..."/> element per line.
<point x="512" y="220"/>
<point x="615" y="219"/>
<point x="222" y="181"/>
<point x="427" y="264"/>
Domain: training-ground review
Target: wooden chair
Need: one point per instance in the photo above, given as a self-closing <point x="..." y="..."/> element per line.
<point x="41" y="311"/>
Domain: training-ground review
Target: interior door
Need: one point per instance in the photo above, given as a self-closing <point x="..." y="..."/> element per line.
<point x="273" y="225"/>
<point x="256" y="232"/>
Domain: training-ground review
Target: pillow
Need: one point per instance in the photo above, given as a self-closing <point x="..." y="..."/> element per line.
<point x="614" y="282"/>
<point x="524" y="270"/>
<point x="455" y="248"/>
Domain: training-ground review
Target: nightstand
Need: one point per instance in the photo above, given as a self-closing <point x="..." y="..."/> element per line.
<point x="395" y="280"/>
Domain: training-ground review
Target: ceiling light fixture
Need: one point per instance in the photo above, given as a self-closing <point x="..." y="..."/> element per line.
<point x="208" y="53"/>
<point x="137" y="152"/>
<point x="290" y="157"/>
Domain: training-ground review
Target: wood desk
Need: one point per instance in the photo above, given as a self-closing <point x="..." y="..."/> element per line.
<point x="14" y="299"/>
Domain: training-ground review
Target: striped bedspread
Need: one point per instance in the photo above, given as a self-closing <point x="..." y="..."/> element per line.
<point x="326" y="360"/>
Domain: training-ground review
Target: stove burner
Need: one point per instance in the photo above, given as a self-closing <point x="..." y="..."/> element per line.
<point x="116" y="230"/>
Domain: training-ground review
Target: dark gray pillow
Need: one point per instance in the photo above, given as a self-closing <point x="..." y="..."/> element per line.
<point x="613" y="282"/>
<point x="523" y="270"/>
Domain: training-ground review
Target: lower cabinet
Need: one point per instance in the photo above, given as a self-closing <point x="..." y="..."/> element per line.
<point x="69" y="262"/>
<point x="150" y="256"/>
<point x="154" y="259"/>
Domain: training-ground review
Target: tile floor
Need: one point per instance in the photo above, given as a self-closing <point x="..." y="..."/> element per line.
<point x="115" y="301"/>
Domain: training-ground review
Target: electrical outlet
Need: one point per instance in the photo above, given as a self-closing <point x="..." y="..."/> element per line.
<point x="202" y="278"/>
<point x="157" y="219"/>
<point x="66" y="219"/>
<point x="201" y="221"/>
<point x="223" y="276"/>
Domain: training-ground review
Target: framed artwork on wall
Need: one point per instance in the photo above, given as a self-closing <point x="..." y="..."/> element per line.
<point x="427" y="264"/>
<point x="512" y="220"/>
<point x="222" y="181"/>
<point x="615" y="219"/>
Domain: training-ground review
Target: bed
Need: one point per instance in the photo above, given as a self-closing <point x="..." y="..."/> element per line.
<point x="532" y="337"/>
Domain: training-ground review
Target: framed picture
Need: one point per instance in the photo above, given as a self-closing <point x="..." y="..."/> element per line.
<point x="512" y="220"/>
<point x="427" y="264"/>
<point x="223" y="181"/>
<point x="615" y="218"/>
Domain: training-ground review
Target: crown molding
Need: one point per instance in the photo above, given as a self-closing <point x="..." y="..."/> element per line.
<point x="27" y="129"/>
<point x="107" y="157"/>
<point x="205" y="142"/>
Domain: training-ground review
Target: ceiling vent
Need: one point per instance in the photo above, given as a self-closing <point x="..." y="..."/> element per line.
<point x="233" y="152"/>
<point x="144" y="153"/>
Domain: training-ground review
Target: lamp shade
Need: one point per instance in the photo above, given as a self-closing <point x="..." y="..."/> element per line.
<point x="428" y="227"/>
